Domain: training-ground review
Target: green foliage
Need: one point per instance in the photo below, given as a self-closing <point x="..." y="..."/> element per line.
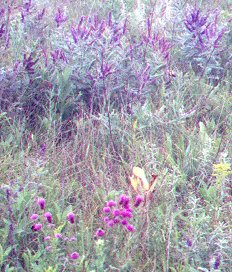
<point x="71" y="132"/>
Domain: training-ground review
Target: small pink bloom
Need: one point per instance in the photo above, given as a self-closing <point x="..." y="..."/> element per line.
<point x="100" y="233"/>
<point x="71" y="217"/>
<point x="75" y="255"/>
<point x="106" y="209"/>
<point x="42" y="203"/>
<point x="106" y="219"/>
<point x="58" y="235"/>
<point x="111" y="203"/>
<point x="47" y="238"/>
<point x="130" y="228"/>
<point x="116" y="220"/>
<point x="73" y="239"/>
<point x="111" y="223"/>
<point x="124" y="222"/>
<point x="117" y="212"/>
<point x="48" y="215"/>
<point x="139" y="199"/>
<point x="124" y="200"/>
<point x="37" y="227"/>
<point x="127" y="214"/>
<point x="34" y="216"/>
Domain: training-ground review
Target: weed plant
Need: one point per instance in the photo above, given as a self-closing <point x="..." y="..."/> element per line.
<point x="90" y="89"/>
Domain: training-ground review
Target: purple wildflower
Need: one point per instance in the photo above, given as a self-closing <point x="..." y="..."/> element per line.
<point x="124" y="222"/>
<point x="100" y="233"/>
<point x="47" y="238"/>
<point x="73" y="239"/>
<point x="111" y="203"/>
<point x="130" y="228"/>
<point x="189" y="242"/>
<point x="111" y="223"/>
<point x="106" y="209"/>
<point x="42" y="203"/>
<point x="117" y="212"/>
<point x="37" y="227"/>
<point x="71" y="217"/>
<point x="139" y="199"/>
<point x="58" y="235"/>
<point x="124" y="200"/>
<point x="48" y="216"/>
<point x="75" y="255"/>
<point x="34" y="216"/>
<point x="60" y="17"/>
<point x="106" y="219"/>
<point x="127" y="214"/>
<point x="217" y="262"/>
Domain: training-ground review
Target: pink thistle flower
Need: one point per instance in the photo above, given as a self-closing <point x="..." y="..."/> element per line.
<point x="106" y="219"/>
<point x="48" y="215"/>
<point x="124" y="222"/>
<point x="47" y="238"/>
<point x="58" y="235"/>
<point x="116" y="220"/>
<point x="139" y="199"/>
<point x="42" y="203"/>
<point x="106" y="209"/>
<point x="127" y="214"/>
<point x="75" y="255"/>
<point x="34" y="216"/>
<point x="124" y="200"/>
<point x="71" y="217"/>
<point x="37" y="227"/>
<point x="111" y="203"/>
<point x="100" y="233"/>
<point x="111" y="223"/>
<point x="117" y="212"/>
<point x="130" y="228"/>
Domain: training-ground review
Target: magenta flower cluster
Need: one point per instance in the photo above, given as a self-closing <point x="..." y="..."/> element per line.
<point x="119" y="213"/>
<point x="38" y="226"/>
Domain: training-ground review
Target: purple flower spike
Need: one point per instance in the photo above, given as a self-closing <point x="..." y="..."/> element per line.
<point x="111" y="203"/>
<point x="48" y="215"/>
<point x="130" y="228"/>
<point x="71" y="217"/>
<point x="217" y="262"/>
<point x="37" y="227"/>
<point x="100" y="233"/>
<point x="139" y="199"/>
<point x="42" y="203"/>
<point x="75" y="255"/>
<point x="34" y="216"/>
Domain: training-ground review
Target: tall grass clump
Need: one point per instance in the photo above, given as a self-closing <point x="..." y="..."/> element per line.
<point x="115" y="136"/>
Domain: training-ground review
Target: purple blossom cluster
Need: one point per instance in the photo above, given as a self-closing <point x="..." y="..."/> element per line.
<point x="204" y="28"/>
<point x="119" y="213"/>
<point x="92" y="29"/>
<point x="40" y="226"/>
<point x="60" y="17"/>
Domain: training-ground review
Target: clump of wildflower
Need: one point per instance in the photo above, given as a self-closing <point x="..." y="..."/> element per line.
<point x="71" y="217"/>
<point x="34" y="216"/>
<point x="120" y="212"/>
<point x="42" y="203"/>
<point x="75" y="255"/>
<point x="48" y="216"/>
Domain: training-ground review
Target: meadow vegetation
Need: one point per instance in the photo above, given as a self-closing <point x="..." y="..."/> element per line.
<point x="115" y="135"/>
